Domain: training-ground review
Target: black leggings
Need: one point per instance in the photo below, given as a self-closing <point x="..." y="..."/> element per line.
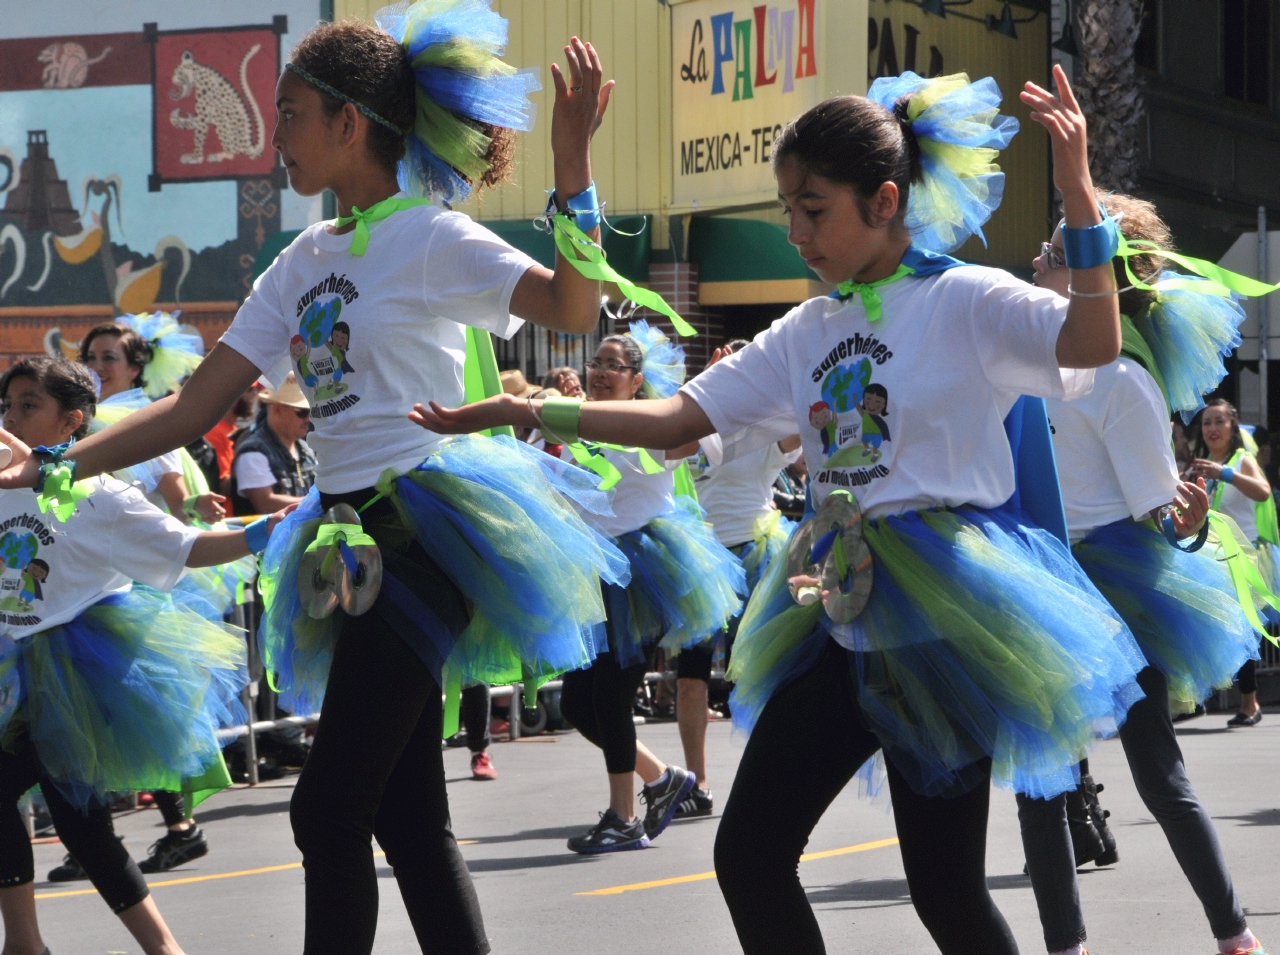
<point x="376" y="770"/>
<point x="598" y="702"/>
<point x="87" y="836"/>
<point x="785" y="782"/>
<point x="1247" y="678"/>
<point x="172" y="807"/>
<point x="474" y="709"/>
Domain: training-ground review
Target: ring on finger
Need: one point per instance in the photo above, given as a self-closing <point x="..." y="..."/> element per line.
<point x="575" y="89"/>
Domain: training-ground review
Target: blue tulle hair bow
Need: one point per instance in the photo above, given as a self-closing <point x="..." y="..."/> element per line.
<point x="960" y="132"/>
<point x="663" y="360"/>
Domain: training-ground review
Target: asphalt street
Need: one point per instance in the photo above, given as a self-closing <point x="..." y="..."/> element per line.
<point x="246" y="896"/>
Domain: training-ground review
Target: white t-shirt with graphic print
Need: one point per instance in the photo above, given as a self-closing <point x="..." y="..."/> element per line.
<point x="50" y="572"/>
<point x="735" y="494"/>
<point x="368" y="336"/>
<point x="906" y="413"/>
<point x="1113" y="448"/>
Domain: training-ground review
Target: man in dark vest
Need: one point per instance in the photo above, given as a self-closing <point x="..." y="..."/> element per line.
<point x="273" y="466"/>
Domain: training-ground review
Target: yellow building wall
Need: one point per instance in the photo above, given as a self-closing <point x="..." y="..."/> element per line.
<point x="632" y="151"/>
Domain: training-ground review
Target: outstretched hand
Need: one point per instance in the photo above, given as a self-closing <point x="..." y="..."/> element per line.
<point x="1068" y="132"/>
<point x="23" y="468"/>
<point x="467" y="419"/>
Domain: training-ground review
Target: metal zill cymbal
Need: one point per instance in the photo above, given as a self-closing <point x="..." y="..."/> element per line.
<point x="318" y="592"/>
<point x="848" y="592"/>
<point x="357" y="592"/>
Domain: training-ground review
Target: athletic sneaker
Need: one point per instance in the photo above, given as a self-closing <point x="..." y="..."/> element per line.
<point x="175" y="849"/>
<point x="611" y="834"/>
<point x="697" y="803"/>
<point x="69" y="871"/>
<point x="482" y="766"/>
<point x="663" y="797"/>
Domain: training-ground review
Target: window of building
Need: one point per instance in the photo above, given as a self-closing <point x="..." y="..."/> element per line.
<point x="1246" y="50"/>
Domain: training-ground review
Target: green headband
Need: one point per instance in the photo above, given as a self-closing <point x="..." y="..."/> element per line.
<point x="338" y="94"/>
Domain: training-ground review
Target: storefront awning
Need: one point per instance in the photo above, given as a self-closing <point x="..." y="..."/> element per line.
<point x="748" y="262"/>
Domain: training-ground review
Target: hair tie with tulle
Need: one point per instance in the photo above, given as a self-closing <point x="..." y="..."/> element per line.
<point x="663" y="360"/>
<point x="175" y="353"/>
<point x="959" y="131"/>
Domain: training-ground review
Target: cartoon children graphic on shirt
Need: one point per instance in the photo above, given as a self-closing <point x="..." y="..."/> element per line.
<point x="874" y="405"/>
<point x="320" y="348"/>
<point x="37" y="572"/>
<point x="823" y="420"/>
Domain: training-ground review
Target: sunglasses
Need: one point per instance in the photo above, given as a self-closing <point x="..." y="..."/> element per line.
<point x="302" y="413"/>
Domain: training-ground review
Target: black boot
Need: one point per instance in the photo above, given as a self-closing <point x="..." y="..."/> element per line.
<point x="1098" y="816"/>
<point x="1086" y="841"/>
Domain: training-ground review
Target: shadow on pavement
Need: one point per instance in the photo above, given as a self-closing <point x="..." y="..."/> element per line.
<point x="894" y="891"/>
<point x="1259" y="817"/>
<point x="245" y="809"/>
<point x="558" y="832"/>
<point x="511" y="864"/>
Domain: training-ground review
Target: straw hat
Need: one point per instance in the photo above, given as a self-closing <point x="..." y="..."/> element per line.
<point x="514" y="383"/>
<point x="289" y="394"/>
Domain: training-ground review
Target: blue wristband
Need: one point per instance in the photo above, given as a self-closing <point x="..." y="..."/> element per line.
<point x="256" y="534"/>
<point x="586" y="208"/>
<point x="1228" y="475"/>
<point x="1166" y="524"/>
<point x="1091" y="247"/>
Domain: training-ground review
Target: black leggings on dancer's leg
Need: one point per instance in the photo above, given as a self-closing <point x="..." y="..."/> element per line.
<point x="376" y="770"/>
<point x="598" y="701"/>
<point x="785" y="783"/>
<point x="88" y="837"/>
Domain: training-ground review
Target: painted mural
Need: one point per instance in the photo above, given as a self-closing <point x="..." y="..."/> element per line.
<point x="136" y="168"/>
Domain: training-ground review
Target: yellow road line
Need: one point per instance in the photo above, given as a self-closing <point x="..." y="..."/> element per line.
<point x="702" y="876"/>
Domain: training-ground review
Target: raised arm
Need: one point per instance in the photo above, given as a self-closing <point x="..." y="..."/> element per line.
<point x="564" y="300"/>
<point x="660" y="424"/>
<point x="170" y="423"/>
<point x="1090" y="337"/>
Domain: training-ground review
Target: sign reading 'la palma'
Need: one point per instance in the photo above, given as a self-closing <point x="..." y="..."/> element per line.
<point x="740" y="72"/>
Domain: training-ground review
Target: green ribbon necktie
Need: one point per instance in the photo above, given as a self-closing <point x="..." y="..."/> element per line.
<point x="59" y="494"/>
<point x="589" y="457"/>
<point x="375" y="213"/>
<point x="1244" y="576"/>
<point x="868" y="291"/>
<point x="588" y="258"/>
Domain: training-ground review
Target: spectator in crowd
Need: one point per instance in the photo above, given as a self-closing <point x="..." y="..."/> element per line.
<point x="565" y="380"/>
<point x="273" y="467"/>
<point x="223" y="436"/>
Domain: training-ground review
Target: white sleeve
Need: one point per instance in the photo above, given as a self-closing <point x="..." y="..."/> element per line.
<point x="169" y="463"/>
<point x="1015" y="330"/>
<point x="147" y="545"/>
<point x="470" y="274"/>
<point x="261" y="330"/>
<point x="1138" y="435"/>
<point x="747" y="396"/>
<point x="252" y="469"/>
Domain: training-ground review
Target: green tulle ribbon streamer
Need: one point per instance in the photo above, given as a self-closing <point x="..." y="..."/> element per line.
<point x="1222" y="282"/>
<point x="589" y="259"/>
<point x="375" y="213"/>
<point x="869" y="291"/>
<point x="60" y="494"/>
<point x="587" y="455"/>
<point x="1244" y="575"/>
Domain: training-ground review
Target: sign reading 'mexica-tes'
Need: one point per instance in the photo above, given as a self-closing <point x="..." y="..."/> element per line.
<point x="740" y="72"/>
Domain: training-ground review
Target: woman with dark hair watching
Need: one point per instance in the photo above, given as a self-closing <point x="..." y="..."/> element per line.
<point x="1239" y="489"/>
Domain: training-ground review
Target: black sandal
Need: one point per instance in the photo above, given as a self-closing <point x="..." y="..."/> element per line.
<point x="1241" y="720"/>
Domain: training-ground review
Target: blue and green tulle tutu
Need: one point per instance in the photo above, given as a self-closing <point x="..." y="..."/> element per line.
<point x="685" y="586"/>
<point x="983" y="638"/>
<point x="1269" y="567"/>
<point x="125" y="697"/>
<point x="213" y="592"/>
<point x="494" y="515"/>
<point x="1181" y="607"/>
<point x="769" y="538"/>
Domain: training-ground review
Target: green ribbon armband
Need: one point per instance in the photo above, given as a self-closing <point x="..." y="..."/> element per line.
<point x="589" y="259"/>
<point x="560" y="418"/>
<point x="189" y="506"/>
<point x="589" y="457"/>
<point x="57" y="491"/>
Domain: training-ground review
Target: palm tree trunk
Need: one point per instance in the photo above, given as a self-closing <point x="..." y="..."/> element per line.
<point x="1106" y="84"/>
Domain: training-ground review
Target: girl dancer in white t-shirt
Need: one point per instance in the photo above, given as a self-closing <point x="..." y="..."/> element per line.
<point x="486" y="568"/>
<point x="104" y="687"/>
<point x="983" y="652"/>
